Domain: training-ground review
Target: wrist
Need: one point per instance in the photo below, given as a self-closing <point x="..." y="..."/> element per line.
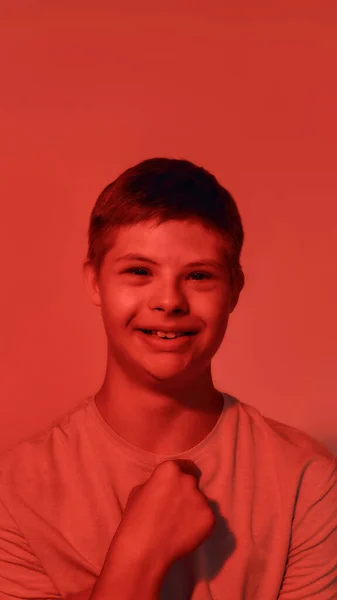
<point x="127" y="569"/>
<point x="130" y="554"/>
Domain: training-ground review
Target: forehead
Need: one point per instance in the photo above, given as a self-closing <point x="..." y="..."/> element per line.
<point x="180" y="240"/>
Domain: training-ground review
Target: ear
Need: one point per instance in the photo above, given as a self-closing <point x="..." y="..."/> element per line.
<point x="238" y="284"/>
<point x="91" y="283"/>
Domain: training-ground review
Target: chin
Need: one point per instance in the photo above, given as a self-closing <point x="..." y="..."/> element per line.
<point x="171" y="374"/>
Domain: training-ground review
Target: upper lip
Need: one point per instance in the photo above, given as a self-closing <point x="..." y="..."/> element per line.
<point x="167" y="329"/>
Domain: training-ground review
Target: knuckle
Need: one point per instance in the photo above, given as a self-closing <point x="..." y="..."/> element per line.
<point x="170" y="466"/>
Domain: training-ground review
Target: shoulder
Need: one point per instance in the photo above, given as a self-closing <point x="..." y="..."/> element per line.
<point x="303" y="470"/>
<point x="38" y="455"/>
<point x="278" y="433"/>
<point x="282" y="451"/>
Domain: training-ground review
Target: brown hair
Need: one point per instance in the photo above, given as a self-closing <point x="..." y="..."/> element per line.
<point x="163" y="189"/>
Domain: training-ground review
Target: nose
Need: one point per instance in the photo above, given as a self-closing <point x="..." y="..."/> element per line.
<point x="169" y="297"/>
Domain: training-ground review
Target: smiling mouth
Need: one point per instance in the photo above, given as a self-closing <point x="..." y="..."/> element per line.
<point x="168" y="335"/>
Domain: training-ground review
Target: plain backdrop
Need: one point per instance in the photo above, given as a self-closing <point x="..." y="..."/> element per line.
<point x="246" y="89"/>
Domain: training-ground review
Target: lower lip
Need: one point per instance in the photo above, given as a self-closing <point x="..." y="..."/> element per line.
<point x="167" y="345"/>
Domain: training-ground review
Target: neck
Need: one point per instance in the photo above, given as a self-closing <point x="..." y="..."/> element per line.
<point x="158" y="420"/>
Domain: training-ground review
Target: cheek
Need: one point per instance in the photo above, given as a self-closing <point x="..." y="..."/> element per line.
<point x="218" y="321"/>
<point x="214" y="309"/>
<point x="118" y="305"/>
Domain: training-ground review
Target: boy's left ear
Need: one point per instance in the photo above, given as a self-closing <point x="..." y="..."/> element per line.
<point x="238" y="284"/>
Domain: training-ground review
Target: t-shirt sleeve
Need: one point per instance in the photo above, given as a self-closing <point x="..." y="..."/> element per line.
<point x="311" y="570"/>
<point x="21" y="573"/>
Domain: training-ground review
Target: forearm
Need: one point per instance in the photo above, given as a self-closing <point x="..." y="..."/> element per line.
<point x="128" y="576"/>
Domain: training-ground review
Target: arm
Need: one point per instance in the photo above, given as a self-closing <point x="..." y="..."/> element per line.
<point x="311" y="570"/>
<point x="128" y="572"/>
<point x="121" y="578"/>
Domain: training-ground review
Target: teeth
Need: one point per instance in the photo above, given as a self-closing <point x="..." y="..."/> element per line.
<point x="169" y="334"/>
<point x="166" y="334"/>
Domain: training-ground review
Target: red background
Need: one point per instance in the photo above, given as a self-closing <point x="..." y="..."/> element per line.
<point x="246" y="89"/>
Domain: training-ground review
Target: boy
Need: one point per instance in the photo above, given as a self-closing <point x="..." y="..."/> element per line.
<point x="160" y="486"/>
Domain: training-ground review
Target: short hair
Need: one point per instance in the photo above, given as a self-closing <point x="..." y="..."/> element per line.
<point x="164" y="189"/>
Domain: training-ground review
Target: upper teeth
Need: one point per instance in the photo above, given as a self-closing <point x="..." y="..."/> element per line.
<point x="170" y="334"/>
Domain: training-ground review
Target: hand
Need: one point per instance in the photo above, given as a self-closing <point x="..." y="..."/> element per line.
<point x="166" y="517"/>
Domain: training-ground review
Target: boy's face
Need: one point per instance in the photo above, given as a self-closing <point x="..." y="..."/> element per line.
<point x="167" y="294"/>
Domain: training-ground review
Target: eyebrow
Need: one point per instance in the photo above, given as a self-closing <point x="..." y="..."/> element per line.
<point x="198" y="263"/>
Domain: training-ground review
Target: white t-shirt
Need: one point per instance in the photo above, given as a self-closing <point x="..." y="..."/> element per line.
<point x="272" y="487"/>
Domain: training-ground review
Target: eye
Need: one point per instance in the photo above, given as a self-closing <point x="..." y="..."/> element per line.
<point x="205" y="275"/>
<point x="135" y="269"/>
<point x="142" y="272"/>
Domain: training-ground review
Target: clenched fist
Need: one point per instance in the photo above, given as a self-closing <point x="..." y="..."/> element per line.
<point x="166" y="517"/>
